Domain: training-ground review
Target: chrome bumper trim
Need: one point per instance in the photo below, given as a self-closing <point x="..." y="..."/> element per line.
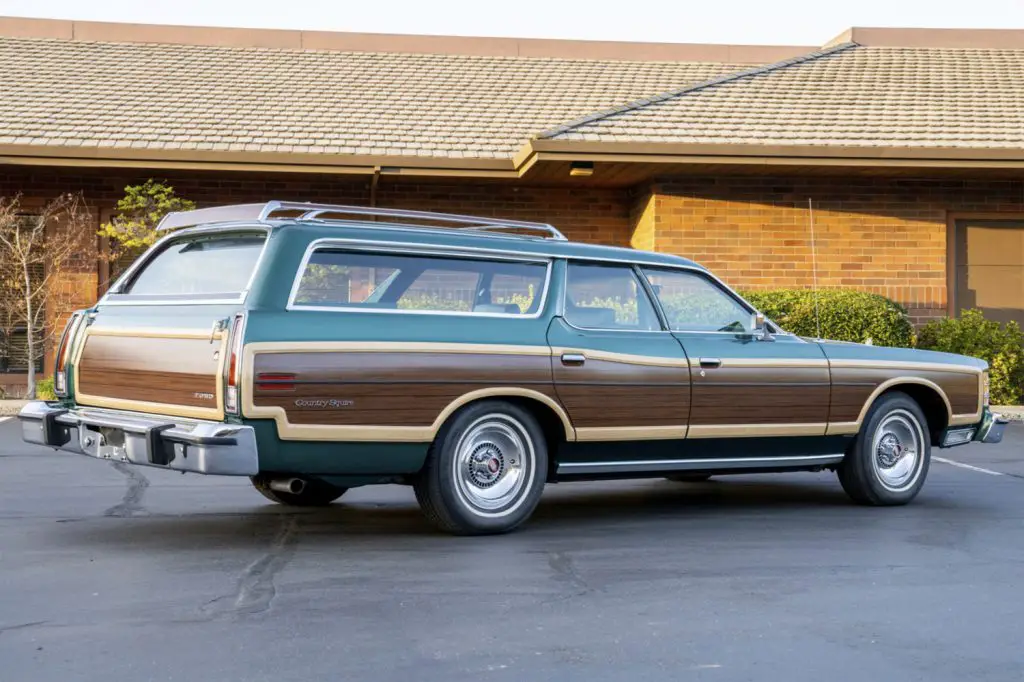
<point x="991" y="429"/>
<point x="143" y="439"/>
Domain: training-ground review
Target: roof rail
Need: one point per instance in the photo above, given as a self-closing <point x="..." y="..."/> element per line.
<point x="308" y="211"/>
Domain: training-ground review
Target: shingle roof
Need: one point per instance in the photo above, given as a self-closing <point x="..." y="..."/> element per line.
<point x="188" y="97"/>
<point x="848" y="96"/>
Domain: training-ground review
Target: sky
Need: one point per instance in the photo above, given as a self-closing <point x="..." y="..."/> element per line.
<point x="777" y="22"/>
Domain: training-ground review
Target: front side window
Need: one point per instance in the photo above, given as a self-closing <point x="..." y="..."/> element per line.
<point x="607" y="297"/>
<point x="340" y="278"/>
<point x="693" y="302"/>
<point x="200" y="266"/>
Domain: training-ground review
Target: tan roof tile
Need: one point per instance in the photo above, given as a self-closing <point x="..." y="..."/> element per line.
<point x="80" y="93"/>
<point x="848" y="96"/>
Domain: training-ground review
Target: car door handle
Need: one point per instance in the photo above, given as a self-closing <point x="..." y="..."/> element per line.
<point x="573" y="359"/>
<point x="710" y="362"/>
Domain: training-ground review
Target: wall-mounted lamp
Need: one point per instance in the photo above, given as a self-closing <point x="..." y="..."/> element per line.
<point x="581" y="168"/>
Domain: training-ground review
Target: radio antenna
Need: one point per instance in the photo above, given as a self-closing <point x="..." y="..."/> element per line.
<point x="814" y="266"/>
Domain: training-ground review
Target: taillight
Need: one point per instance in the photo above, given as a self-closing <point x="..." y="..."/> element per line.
<point x="67" y="340"/>
<point x="234" y="366"/>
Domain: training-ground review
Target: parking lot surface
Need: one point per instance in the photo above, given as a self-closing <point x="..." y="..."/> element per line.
<point x="116" y="573"/>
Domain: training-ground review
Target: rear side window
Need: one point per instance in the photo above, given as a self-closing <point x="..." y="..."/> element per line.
<point x="339" y="278"/>
<point x="200" y="266"/>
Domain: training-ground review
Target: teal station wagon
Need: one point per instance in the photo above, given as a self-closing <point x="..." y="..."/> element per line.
<point x="315" y="348"/>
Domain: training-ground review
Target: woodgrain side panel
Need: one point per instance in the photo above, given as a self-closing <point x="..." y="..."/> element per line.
<point x="605" y="393"/>
<point x="760" y="395"/>
<point x="395" y="389"/>
<point x="853" y="387"/>
<point x="171" y="371"/>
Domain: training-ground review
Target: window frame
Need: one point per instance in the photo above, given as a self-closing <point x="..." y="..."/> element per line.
<point x="115" y="294"/>
<point x="643" y="287"/>
<point x="386" y="248"/>
<point x="714" y="282"/>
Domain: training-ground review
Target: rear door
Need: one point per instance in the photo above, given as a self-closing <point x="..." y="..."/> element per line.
<point x="157" y="342"/>
<point x="618" y="373"/>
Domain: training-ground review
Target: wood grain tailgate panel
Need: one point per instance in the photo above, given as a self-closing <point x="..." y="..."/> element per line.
<point x="149" y="369"/>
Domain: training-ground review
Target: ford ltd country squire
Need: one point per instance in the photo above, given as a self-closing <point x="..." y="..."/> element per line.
<point x="314" y="348"/>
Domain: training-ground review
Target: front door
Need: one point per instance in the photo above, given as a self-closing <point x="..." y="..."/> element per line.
<point x="619" y="375"/>
<point x="742" y="386"/>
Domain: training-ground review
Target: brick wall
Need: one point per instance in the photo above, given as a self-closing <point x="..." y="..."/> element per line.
<point x="885" y="235"/>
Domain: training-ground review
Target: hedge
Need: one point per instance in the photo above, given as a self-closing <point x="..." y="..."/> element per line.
<point x="843" y="314"/>
<point x="1001" y="345"/>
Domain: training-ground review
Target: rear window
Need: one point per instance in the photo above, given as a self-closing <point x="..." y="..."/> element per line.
<point x="335" y="278"/>
<point x="200" y="266"/>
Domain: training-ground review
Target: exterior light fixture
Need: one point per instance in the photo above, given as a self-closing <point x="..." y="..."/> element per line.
<point x="581" y="168"/>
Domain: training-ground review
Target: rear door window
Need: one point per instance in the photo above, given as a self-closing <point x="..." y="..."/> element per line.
<point x="340" y="278"/>
<point x="202" y="266"/>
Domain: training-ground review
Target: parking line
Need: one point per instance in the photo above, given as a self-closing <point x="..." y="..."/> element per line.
<point x="968" y="466"/>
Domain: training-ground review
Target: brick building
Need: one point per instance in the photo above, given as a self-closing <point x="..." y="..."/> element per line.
<point x="908" y="144"/>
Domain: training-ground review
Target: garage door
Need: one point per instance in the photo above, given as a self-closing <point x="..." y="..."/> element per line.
<point x="989" y="262"/>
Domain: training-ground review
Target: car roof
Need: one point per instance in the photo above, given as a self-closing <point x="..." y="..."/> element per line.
<point x="411" y="235"/>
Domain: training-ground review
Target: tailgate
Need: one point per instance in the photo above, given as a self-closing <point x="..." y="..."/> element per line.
<point x="175" y="372"/>
<point x="157" y="341"/>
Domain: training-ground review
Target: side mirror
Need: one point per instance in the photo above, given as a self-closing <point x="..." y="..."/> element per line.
<point x="760" y="328"/>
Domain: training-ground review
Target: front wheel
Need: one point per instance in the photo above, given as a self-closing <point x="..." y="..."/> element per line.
<point x="888" y="460"/>
<point x="485" y="470"/>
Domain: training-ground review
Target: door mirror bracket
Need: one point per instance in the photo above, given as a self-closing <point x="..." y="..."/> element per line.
<point x="761" y="332"/>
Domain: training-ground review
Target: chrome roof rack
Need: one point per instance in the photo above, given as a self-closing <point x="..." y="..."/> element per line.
<point x="308" y="211"/>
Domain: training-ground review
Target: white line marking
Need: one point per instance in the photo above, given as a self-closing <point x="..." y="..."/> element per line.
<point x="968" y="466"/>
<point x="4" y="419"/>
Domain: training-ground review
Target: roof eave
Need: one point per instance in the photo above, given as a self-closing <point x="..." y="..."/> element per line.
<point x="537" y="150"/>
<point x="40" y="155"/>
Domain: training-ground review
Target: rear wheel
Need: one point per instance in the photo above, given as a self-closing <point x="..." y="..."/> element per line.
<point x="314" y="493"/>
<point x="888" y="460"/>
<point x="485" y="470"/>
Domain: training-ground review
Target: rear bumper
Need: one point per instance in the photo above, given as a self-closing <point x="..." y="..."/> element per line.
<point x="147" y="440"/>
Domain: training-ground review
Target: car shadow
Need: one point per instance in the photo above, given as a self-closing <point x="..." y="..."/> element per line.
<point x="576" y="507"/>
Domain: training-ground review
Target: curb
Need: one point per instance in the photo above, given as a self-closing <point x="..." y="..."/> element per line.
<point x="9" y="408"/>
<point x="1014" y="413"/>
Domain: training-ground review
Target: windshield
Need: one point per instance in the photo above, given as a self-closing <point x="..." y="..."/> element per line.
<point x="200" y="266"/>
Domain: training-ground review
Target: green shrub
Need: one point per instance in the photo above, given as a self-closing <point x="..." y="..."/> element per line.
<point x="1002" y="346"/>
<point x="44" y="389"/>
<point x="844" y="315"/>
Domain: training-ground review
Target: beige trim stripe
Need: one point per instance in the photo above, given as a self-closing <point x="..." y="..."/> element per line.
<point x="766" y="363"/>
<point x="624" y="358"/>
<point x="897" y="364"/>
<point x="755" y="430"/>
<point x="615" y="433"/>
<point x="392" y="347"/>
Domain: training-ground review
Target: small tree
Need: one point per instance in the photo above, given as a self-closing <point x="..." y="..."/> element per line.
<point x="37" y="249"/>
<point x="133" y="227"/>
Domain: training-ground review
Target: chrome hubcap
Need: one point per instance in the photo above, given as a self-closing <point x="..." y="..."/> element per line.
<point x="898" y="450"/>
<point x="493" y="465"/>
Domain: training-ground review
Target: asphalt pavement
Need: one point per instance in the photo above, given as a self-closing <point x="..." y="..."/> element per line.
<point x="116" y="573"/>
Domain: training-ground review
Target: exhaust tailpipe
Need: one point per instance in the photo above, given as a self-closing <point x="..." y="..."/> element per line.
<point x="294" y="486"/>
